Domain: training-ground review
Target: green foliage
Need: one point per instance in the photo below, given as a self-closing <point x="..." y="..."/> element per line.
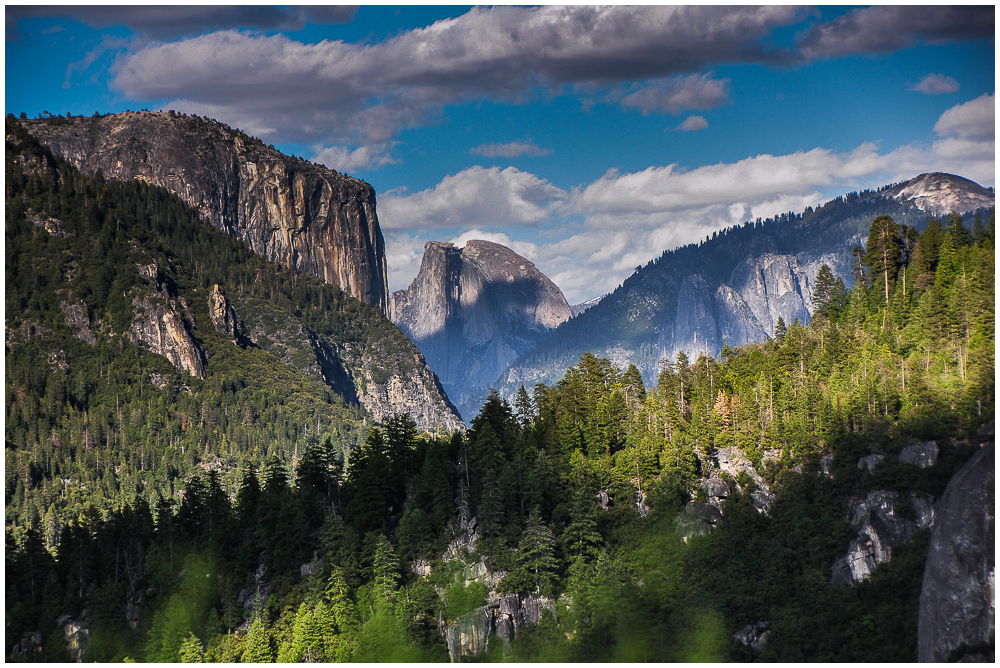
<point x="159" y="502"/>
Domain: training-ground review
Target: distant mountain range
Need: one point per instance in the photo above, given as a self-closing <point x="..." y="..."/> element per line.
<point x="481" y="315"/>
<point x="733" y="288"/>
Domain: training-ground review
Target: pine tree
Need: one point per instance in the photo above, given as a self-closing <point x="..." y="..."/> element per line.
<point x="536" y="554"/>
<point x="780" y="330"/>
<point x="883" y="252"/>
<point x="385" y="570"/>
<point x="257" y="646"/>
<point x="823" y="292"/>
<point x="191" y="650"/>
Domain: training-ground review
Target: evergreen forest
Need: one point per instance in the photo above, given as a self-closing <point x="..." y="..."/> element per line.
<point x="255" y="515"/>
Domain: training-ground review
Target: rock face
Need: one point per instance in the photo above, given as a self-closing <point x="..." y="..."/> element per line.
<point x="163" y="331"/>
<point x="503" y="617"/>
<point x="880" y="527"/>
<point x="222" y="313"/>
<point x="163" y="322"/>
<point x="472" y="311"/>
<point x="286" y="209"/>
<point x="957" y="603"/>
<point x="940" y="193"/>
<point x="75" y="314"/>
<point x="754" y="635"/>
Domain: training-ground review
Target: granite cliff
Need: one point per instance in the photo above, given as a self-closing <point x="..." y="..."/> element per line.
<point x="302" y="215"/>
<point x="472" y="311"/>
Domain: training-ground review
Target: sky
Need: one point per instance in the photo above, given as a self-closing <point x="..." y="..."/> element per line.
<point x="588" y="139"/>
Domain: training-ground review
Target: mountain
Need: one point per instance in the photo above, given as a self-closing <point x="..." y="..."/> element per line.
<point x="733" y="288"/>
<point x="580" y="308"/>
<point x="940" y="194"/>
<point x="143" y="344"/>
<point x="472" y="311"/>
<point x="286" y="209"/>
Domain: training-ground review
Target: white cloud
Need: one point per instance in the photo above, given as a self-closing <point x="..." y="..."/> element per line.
<point x="693" y="124"/>
<point x="630" y="218"/>
<point x="359" y="93"/>
<point x="343" y="159"/>
<point x="973" y="120"/>
<point x="935" y="84"/>
<point x="514" y="149"/>
<point x="475" y="197"/>
<point x="674" y="95"/>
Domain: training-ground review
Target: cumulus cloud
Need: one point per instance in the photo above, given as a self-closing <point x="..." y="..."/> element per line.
<point x="935" y="84"/>
<point x="343" y="159"/>
<point x="477" y="196"/>
<point x="972" y="120"/>
<point x="674" y="95"/>
<point x="514" y="149"/>
<point x="371" y="90"/>
<point x="165" y="22"/>
<point x="655" y="195"/>
<point x="693" y="124"/>
<point x="621" y="220"/>
<point x="887" y="28"/>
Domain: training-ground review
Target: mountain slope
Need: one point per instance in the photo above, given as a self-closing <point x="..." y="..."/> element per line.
<point x="472" y="311"/>
<point x="286" y="209"/>
<point x="141" y="342"/>
<point x="729" y="290"/>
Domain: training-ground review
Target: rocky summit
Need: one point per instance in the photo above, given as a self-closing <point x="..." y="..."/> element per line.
<point x="286" y="209"/>
<point x="472" y="311"/>
<point x="940" y="194"/>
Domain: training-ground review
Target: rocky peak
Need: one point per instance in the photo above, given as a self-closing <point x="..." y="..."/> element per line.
<point x="286" y="209"/>
<point x="473" y="310"/>
<point x="939" y="194"/>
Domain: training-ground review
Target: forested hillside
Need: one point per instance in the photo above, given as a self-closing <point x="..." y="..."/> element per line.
<point x="581" y="507"/>
<point x="100" y="275"/>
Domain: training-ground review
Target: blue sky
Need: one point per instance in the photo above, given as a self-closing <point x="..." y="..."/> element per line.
<point x="587" y="139"/>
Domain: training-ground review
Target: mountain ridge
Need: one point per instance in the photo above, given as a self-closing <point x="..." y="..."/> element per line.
<point x="729" y="289"/>
<point x="286" y="209"/>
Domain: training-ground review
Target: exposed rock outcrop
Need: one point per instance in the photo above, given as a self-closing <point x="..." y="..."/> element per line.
<point x="502" y="617"/>
<point x="161" y="328"/>
<point x="472" y="311"/>
<point x="958" y="599"/>
<point x="77" y="319"/>
<point x="697" y="519"/>
<point x="880" y="528"/>
<point x="286" y="209"/>
<point x="754" y="635"/>
<point x="920" y="454"/>
<point x="222" y="313"/>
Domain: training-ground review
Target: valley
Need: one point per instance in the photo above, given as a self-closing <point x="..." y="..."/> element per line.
<point x="220" y="447"/>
